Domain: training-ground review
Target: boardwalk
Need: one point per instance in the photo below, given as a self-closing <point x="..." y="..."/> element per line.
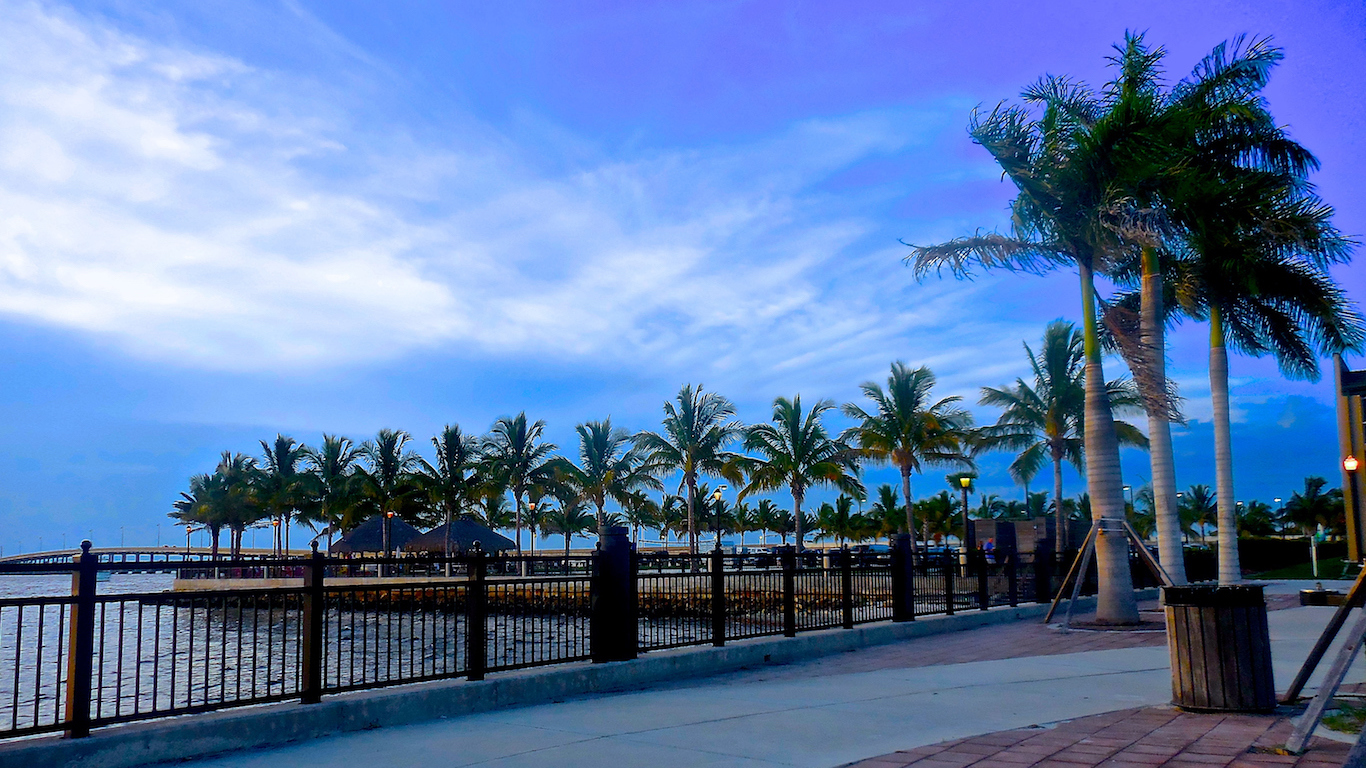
<point x="823" y="713"/>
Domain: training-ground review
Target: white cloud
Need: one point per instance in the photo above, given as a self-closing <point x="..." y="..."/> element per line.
<point x="190" y="208"/>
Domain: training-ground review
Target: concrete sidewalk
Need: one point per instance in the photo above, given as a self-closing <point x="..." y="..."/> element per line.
<point x="822" y="713"/>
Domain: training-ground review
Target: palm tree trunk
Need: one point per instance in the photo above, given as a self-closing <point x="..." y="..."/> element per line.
<point x="692" y="529"/>
<point x="1061" y="533"/>
<point x="448" y="538"/>
<point x="1115" y="602"/>
<point x="797" y="517"/>
<point x="1152" y="338"/>
<point x="517" y="504"/>
<point x="910" y="516"/>
<point x="602" y="524"/>
<point x="1227" y="521"/>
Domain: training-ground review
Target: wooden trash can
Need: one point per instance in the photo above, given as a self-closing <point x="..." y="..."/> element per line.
<point x="1220" y="649"/>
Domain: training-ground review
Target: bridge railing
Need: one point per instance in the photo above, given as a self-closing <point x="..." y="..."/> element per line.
<point x="86" y="660"/>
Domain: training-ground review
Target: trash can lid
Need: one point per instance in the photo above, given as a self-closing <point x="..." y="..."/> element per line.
<point x="1214" y="596"/>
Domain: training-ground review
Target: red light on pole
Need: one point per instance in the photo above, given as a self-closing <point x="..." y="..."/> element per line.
<point x="1350" y="463"/>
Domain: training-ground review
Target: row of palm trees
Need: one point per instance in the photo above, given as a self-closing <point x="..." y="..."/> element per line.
<point x="1195" y="204"/>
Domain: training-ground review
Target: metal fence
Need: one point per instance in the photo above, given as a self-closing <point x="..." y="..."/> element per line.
<point x="74" y="662"/>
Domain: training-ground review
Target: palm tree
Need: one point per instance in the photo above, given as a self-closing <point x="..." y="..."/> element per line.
<point x="695" y="436"/>
<point x="1313" y="507"/>
<point x="766" y="515"/>
<point x="570" y="518"/>
<point x="198" y="506"/>
<point x="336" y="490"/>
<point x="1257" y="519"/>
<point x="610" y="467"/>
<point x="840" y="521"/>
<point x="1198" y="509"/>
<point x="939" y="517"/>
<point x="640" y="511"/>
<point x="389" y="481"/>
<point x="451" y="482"/>
<point x="519" y="455"/>
<point x="909" y="431"/>
<point x="796" y="453"/>
<point x="1074" y="208"/>
<point x="1046" y="421"/>
<point x="887" y="512"/>
<point x="283" y="483"/>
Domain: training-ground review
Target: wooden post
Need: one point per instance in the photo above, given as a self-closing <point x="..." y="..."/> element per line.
<point x="80" y="662"/>
<point x="718" y="596"/>
<point x="847" y="588"/>
<point x="789" y="561"/>
<point x="903" y="579"/>
<point x="948" y="581"/>
<point x="983" y="593"/>
<point x="314" y="610"/>
<point x="476" y="615"/>
<point x="1012" y="578"/>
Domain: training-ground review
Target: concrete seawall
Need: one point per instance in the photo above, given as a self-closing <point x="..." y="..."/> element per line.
<point x="195" y="736"/>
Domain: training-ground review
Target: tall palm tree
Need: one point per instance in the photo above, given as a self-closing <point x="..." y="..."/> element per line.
<point x="1074" y="208"/>
<point x="1045" y="421"/>
<point x="610" y="467"/>
<point x="908" y="430"/>
<point x="698" y="428"/>
<point x="451" y="482"/>
<point x="199" y="506"/>
<point x="283" y="482"/>
<point x="518" y="453"/>
<point x="228" y="498"/>
<point x="336" y="490"/>
<point x="797" y="453"/>
<point x="389" y="481"/>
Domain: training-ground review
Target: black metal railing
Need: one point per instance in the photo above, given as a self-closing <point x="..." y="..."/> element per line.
<point x="71" y="662"/>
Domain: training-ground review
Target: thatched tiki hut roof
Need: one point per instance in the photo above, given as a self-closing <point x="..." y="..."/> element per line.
<point x="369" y="536"/>
<point x="464" y="532"/>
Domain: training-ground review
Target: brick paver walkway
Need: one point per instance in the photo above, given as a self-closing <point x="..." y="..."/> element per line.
<point x="1001" y="641"/>
<point x="1134" y="738"/>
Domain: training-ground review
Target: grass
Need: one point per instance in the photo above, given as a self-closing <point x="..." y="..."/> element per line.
<point x="1334" y="568"/>
<point x="1346" y="716"/>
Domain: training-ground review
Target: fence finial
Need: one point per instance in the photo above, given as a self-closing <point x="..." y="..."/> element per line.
<point x="85" y="547"/>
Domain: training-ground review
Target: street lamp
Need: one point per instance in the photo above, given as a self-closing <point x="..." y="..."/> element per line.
<point x="1350" y="463"/>
<point x="716" y="503"/>
<point x="1129" y="492"/>
<point x="966" y="482"/>
<point x="276" y="534"/>
<point x="1280" y="515"/>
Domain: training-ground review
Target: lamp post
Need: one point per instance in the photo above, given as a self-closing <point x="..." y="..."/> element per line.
<point x="1129" y="493"/>
<point x="1280" y="515"/>
<point x="1350" y="463"/>
<point x="275" y="534"/>
<point x="716" y="504"/>
<point x="966" y="483"/>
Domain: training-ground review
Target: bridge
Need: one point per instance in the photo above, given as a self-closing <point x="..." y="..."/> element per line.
<point x="152" y="556"/>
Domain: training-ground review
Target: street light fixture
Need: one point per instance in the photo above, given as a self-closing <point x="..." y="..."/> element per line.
<point x="1350" y="463"/>
<point x="966" y="483"/>
<point x="716" y="503"/>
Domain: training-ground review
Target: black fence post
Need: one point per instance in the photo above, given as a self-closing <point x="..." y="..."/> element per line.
<point x="314" y="609"/>
<point x="1013" y="578"/>
<point x="903" y="579"/>
<point x="476" y="615"/>
<point x="983" y="588"/>
<point x="718" y="598"/>
<point x="847" y="587"/>
<point x="1043" y="586"/>
<point x="612" y="630"/>
<point x="81" y="644"/>
<point x="789" y="561"/>
<point x="949" y="569"/>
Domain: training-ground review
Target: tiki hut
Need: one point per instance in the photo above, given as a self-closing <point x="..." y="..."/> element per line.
<point x="464" y="532"/>
<point x="369" y="536"/>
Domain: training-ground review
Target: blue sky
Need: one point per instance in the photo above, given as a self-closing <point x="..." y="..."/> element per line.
<point x="220" y="220"/>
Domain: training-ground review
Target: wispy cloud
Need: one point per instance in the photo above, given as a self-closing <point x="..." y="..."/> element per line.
<point x="188" y="207"/>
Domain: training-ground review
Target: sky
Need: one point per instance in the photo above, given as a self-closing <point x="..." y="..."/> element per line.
<point x="223" y="220"/>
